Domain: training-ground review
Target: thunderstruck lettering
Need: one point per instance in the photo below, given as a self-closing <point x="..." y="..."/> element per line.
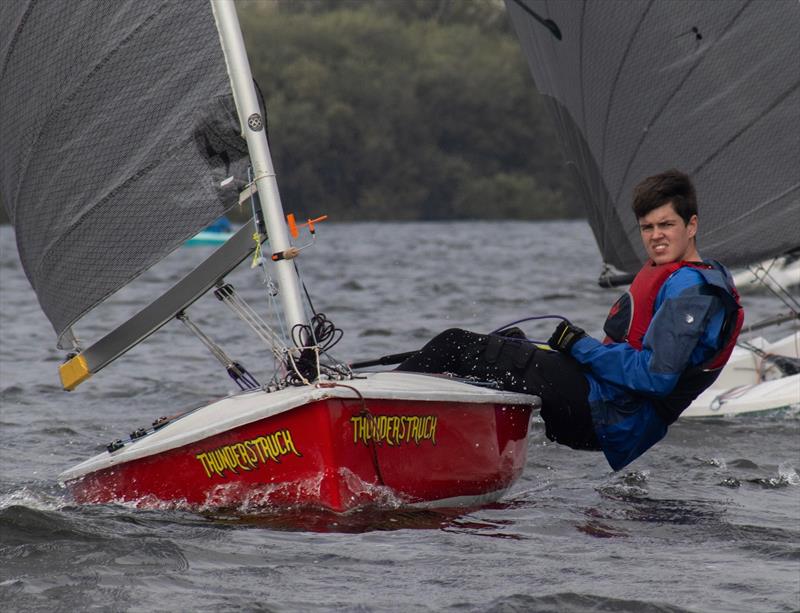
<point x="394" y="429"/>
<point x="248" y="455"/>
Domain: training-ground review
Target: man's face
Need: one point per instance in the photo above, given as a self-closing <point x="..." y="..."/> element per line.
<point x="666" y="237"/>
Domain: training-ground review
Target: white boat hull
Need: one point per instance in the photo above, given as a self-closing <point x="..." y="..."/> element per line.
<point x="748" y="384"/>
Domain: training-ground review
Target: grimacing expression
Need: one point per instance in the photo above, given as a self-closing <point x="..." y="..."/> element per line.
<point x="666" y="237"/>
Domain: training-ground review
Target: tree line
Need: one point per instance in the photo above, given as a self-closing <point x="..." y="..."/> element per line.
<point x="403" y="110"/>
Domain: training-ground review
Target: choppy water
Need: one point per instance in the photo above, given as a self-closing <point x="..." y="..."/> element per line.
<point x="709" y="520"/>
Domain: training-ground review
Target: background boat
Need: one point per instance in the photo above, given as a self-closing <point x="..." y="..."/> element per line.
<point x="208" y="238"/>
<point x="772" y="275"/>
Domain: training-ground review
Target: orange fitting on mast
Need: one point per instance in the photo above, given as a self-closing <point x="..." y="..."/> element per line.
<point x="291" y="222"/>
<point x="310" y="223"/>
<point x="292" y="225"/>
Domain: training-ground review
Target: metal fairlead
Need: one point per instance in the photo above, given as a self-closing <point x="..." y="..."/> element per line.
<point x="138" y="433"/>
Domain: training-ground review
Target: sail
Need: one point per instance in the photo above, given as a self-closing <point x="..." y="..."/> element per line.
<point x="710" y="88"/>
<point x="118" y="132"/>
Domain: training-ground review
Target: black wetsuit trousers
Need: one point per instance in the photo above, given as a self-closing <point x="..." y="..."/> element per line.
<point x="518" y="366"/>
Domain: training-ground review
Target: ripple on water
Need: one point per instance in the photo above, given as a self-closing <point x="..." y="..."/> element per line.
<point x="576" y="603"/>
<point x="376" y="332"/>
<point x="15" y="394"/>
<point x="83" y="554"/>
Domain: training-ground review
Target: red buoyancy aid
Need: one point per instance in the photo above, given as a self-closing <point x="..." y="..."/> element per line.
<point x="630" y="316"/>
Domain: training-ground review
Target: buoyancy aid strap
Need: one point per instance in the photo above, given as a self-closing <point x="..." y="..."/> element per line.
<point x="734" y="318"/>
<point x="719" y="279"/>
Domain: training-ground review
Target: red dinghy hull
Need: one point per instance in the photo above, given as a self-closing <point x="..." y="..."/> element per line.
<point x="346" y="449"/>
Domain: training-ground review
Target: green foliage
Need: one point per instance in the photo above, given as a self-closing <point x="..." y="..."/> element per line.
<point x="406" y="110"/>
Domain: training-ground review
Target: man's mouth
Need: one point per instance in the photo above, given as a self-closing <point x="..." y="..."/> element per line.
<point x="660" y="248"/>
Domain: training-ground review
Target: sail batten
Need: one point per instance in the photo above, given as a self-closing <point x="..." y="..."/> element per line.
<point x="118" y="129"/>
<point x="706" y="87"/>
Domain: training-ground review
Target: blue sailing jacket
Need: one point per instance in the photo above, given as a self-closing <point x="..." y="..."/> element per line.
<point x="625" y="384"/>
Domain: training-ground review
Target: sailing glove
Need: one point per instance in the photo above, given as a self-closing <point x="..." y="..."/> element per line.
<point x="565" y="336"/>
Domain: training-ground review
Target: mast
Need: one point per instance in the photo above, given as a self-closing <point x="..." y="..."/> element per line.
<point x="252" y="124"/>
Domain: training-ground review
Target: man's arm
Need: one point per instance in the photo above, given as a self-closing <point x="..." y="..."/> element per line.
<point x="683" y="333"/>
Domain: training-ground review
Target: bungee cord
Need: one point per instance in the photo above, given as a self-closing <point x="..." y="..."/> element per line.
<point x="523" y="320"/>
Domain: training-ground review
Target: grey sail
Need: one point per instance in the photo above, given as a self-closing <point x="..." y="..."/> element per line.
<point x="710" y="88"/>
<point x="118" y="130"/>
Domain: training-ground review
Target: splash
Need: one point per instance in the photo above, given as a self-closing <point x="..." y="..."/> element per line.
<point x="628" y="486"/>
<point x="787" y="477"/>
<point x="363" y="493"/>
<point x="245" y="499"/>
<point x="37" y="499"/>
<point x="716" y="462"/>
<point x="788" y="473"/>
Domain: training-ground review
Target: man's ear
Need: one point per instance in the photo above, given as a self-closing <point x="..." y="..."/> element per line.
<point x="692" y="226"/>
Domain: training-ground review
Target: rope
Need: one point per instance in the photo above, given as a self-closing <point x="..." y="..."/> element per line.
<point x="312" y="340"/>
<point x="519" y="321"/>
<point x="364" y="413"/>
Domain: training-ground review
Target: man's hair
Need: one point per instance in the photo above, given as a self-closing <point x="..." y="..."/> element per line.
<point x="670" y="186"/>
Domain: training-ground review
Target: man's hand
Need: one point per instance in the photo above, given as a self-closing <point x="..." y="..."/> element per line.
<point x="565" y="336"/>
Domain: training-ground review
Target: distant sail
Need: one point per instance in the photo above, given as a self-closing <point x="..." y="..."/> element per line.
<point x="710" y="88"/>
<point x="117" y="128"/>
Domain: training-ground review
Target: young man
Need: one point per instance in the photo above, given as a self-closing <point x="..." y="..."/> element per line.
<point x="667" y="339"/>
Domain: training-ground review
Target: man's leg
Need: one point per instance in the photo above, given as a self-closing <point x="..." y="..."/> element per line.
<point x="489" y="358"/>
<point x="564" y="391"/>
<point x="517" y="366"/>
<point x="451" y="351"/>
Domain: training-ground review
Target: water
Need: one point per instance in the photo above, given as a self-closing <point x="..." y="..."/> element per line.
<point x="706" y="521"/>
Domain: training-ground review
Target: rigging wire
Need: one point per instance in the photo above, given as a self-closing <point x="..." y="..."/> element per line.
<point x="298" y="352"/>
<point x="775" y="286"/>
<point x="235" y="370"/>
<point x="227" y="294"/>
